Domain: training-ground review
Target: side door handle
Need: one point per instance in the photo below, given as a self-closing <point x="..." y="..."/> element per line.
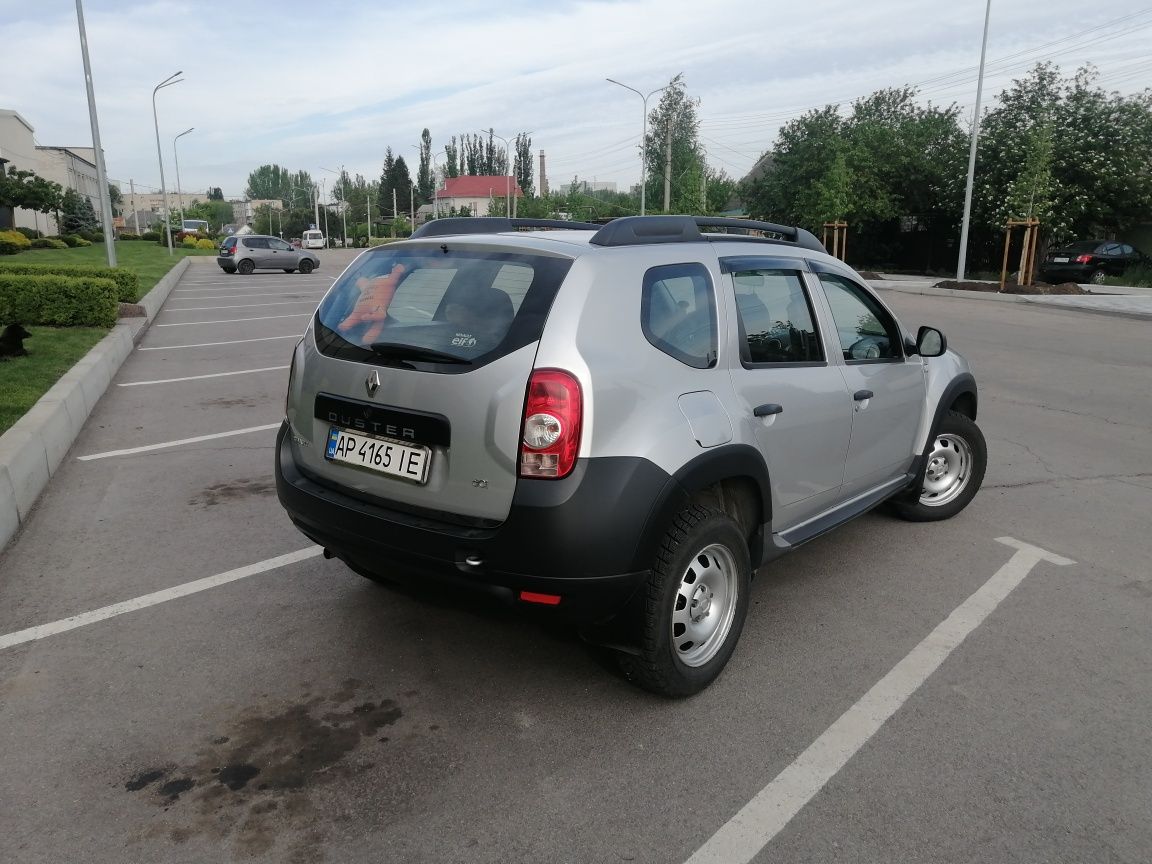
<point x="767" y="410"/>
<point x="861" y="395"/>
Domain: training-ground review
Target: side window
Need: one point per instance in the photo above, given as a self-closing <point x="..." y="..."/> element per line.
<point x="256" y="243"/>
<point x="776" y="322"/>
<point x="1110" y="249"/>
<point x="866" y="331"/>
<point x="678" y="313"/>
<point x="514" y="280"/>
<point x="279" y="245"/>
<point x="1127" y="250"/>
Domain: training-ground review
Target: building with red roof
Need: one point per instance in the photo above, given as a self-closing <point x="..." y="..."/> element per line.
<point x="475" y="193"/>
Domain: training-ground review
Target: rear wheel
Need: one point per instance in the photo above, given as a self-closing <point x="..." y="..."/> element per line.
<point x="1097" y="277"/>
<point x="697" y="599"/>
<point x="953" y="473"/>
<point x="245" y="266"/>
<point x="306" y="267"/>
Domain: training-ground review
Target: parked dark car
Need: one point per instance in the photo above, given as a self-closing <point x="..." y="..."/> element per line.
<point x="1090" y="261"/>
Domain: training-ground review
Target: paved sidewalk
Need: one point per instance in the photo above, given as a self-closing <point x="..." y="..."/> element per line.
<point x="1128" y="302"/>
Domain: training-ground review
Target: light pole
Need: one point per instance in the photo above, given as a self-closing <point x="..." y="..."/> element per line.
<point x="963" y="259"/>
<point x="343" y="200"/>
<point x="176" y="157"/>
<point x="101" y="175"/>
<point x="167" y="82"/>
<point x="507" y="178"/>
<point x="643" y="135"/>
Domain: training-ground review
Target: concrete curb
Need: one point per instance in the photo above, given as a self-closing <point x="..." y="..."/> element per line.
<point x="1039" y="301"/>
<point x="33" y="449"/>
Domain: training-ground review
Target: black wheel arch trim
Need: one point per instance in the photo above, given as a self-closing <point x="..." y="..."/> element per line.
<point x="962" y="385"/>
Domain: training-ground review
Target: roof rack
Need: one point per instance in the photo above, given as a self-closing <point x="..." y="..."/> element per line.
<point x="493" y="225"/>
<point x="644" y="230"/>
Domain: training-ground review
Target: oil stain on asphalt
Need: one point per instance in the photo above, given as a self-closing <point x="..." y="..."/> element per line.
<point x="253" y="786"/>
<point x="235" y="490"/>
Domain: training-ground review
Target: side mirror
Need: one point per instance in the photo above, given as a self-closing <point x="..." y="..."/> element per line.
<point x="930" y="342"/>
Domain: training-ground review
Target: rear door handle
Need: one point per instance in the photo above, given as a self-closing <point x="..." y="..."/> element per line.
<point x="767" y="410"/>
<point x="861" y="395"/>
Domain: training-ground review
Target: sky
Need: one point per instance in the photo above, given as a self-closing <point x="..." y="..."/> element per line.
<point x="315" y="85"/>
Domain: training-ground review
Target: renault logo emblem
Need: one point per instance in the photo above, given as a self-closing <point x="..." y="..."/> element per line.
<point x="372" y="383"/>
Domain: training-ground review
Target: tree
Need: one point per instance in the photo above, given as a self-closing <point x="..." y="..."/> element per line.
<point x="523" y="164"/>
<point x="452" y="158"/>
<point x="116" y="199"/>
<point x="424" y="181"/>
<point x="395" y="178"/>
<point x="27" y="190"/>
<point x="672" y="128"/>
<point x="77" y="214"/>
<point x="272" y="182"/>
<point x="215" y="193"/>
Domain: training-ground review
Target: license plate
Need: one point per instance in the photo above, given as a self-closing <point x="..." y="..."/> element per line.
<point x="378" y="454"/>
<point x="1060" y="260"/>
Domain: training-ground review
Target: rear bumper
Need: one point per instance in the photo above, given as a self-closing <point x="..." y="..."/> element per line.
<point x="228" y="263"/>
<point x="1057" y="273"/>
<point x="582" y="538"/>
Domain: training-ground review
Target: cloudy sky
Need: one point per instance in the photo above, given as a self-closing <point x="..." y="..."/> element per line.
<point x="314" y="85"/>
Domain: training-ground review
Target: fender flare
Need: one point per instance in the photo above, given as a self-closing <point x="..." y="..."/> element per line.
<point x="962" y="384"/>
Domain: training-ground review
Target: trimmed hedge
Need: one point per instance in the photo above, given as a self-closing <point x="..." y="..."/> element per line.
<point x="48" y="243"/>
<point x="12" y="242"/>
<point x="150" y="235"/>
<point x="128" y="235"/>
<point x="30" y="233"/>
<point x="58" y="301"/>
<point x="127" y="283"/>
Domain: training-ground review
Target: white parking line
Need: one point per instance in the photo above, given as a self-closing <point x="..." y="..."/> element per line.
<point x="163" y="446"/>
<point x="235" y="320"/>
<point x="211" y="344"/>
<point x="201" y="377"/>
<point x="239" y="306"/>
<point x="65" y="624"/>
<point x="246" y="296"/>
<point x="762" y="818"/>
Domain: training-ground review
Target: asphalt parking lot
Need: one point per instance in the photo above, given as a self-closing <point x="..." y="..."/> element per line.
<point x="902" y="692"/>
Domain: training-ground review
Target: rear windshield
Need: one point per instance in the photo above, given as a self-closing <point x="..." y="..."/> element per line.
<point x="313" y="235"/>
<point x="438" y="309"/>
<point x="1082" y="246"/>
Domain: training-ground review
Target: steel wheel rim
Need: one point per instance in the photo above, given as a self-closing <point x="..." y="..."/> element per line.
<point x="705" y="605"/>
<point x="948" y="471"/>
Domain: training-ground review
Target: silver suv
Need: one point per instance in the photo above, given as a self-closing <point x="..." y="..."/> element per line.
<point x="618" y="424"/>
<point x="249" y="252"/>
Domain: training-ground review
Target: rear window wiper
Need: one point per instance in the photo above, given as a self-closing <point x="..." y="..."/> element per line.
<point x="397" y="351"/>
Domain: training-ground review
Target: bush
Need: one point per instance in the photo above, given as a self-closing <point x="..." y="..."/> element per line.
<point x="150" y="235"/>
<point x="58" y="301"/>
<point x="12" y="242"/>
<point x="80" y="241"/>
<point x="92" y="236"/>
<point x="127" y="283"/>
<point x="48" y="243"/>
<point x="188" y="242"/>
<point x="205" y="244"/>
<point x="30" y="233"/>
<point x="1139" y="276"/>
<point x="129" y="235"/>
<point x="72" y="240"/>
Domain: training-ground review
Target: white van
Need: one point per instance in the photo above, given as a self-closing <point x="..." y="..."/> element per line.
<point x="313" y="240"/>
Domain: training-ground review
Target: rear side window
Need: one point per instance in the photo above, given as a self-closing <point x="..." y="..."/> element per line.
<point x="256" y="243"/>
<point x="445" y="311"/>
<point x="678" y="313"/>
<point x="776" y="323"/>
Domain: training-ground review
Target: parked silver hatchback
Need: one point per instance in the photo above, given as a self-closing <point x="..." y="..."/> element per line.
<point x="618" y="424"/>
<point x="249" y="252"/>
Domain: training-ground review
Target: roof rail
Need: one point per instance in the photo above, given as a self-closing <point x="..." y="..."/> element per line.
<point x="643" y="230"/>
<point x="492" y="225"/>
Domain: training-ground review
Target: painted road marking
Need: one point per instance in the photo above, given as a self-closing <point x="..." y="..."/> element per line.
<point x="246" y="296"/>
<point x="234" y="320"/>
<point x="201" y="377"/>
<point x="84" y="619"/>
<point x="149" y="447"/>
<point x="239" y="306"/>
<point x="295" y="336"/>
<point x="744" y="835"/>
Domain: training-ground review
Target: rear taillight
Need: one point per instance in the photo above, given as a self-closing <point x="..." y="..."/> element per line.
<point x="1083" y="259"/>
<point x="550" y="434"/>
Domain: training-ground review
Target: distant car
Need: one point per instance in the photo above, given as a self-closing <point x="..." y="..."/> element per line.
<point x="314" y="240"/>
<point x="261" y="252"/>
<point x="1090" y="261"/>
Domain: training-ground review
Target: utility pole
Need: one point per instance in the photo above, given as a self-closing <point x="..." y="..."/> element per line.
<point x="135" y="207"/>
<point x="668" y="166"/>
<point x="394" y="214"/>
<point x="703" y="191"/>
<point x="315" y="206"/>
<point x="368" y="196"/>
<point x="412" y="205"/>
<point x="101" y="175"/>
<point x="972" y="152"/>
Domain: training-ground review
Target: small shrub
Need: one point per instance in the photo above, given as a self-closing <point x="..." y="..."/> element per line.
<point x="58" y="301"/>
<point x="205" y="244"/>
<point x="12" y="242"/>
<point x="72" y="240"/>
<point x="92" y="236"/>
<point x="48" y="243"/>
<point x="127" y="283"/>
<point x="129" y="235"/>
<point x="80" y="242"/>
<point x="188" y="242"/>
<point x="30" y="233"/>
<point x="150" y="235"/>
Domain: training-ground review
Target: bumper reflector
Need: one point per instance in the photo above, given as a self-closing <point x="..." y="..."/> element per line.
<point x="545" y="599"/>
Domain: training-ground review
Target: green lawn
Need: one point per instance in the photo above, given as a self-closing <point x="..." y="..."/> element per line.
<point x="150" y="260"/>
<point x="52" y="351"/>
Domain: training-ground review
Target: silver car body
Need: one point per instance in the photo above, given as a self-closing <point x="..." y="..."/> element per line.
<point x="266" y="253"/>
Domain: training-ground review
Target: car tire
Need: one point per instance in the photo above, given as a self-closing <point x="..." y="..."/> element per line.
<point x="953" y="472"/>
<point x="306" y="267"/>
<point x="702" y="565"/>
<point x="1097" y="277"/>
<point x="245" y="267"/>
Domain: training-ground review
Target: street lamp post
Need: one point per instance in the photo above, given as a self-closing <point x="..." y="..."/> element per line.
<point x="167" y="82"/>
<point x="101" y="174"/>
<point x="176" y="158"/>
<point x="343" y="200"/>
<point x="643" y="135"/>
<point x="962" y="261"/>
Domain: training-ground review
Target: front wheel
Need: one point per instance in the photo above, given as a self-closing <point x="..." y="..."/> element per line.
<point x="697" y="599"/>
<point x="953" y="473"/>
